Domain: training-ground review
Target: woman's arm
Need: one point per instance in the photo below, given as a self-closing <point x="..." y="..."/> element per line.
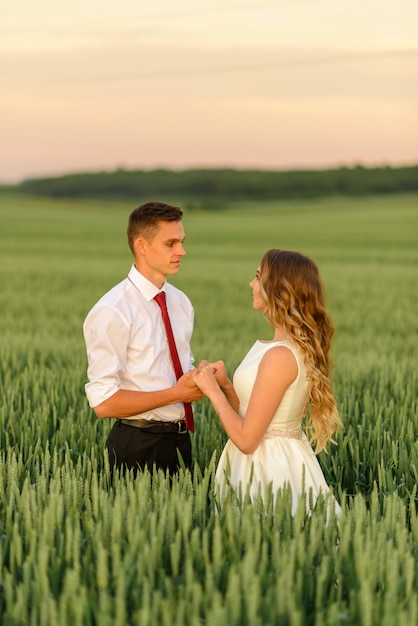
<point x="277" y="370"/>
<point x="225" y="384"/>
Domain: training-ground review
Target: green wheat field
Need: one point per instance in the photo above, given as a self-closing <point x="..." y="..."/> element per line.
<point x="78" y="549"/>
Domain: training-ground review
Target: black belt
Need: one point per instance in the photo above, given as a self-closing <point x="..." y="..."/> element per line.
<point x="158" y="427"/>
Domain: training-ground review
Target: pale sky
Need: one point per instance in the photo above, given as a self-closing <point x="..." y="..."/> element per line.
<point x="99" y="84"/>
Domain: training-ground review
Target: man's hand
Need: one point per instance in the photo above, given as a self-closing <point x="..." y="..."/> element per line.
<point x="187" y="388"/>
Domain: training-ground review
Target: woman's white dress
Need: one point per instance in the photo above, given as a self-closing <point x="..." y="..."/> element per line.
<point x="284" y="456"/>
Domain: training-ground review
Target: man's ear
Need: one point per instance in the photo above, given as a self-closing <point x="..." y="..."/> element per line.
<point x="140" y="245"/>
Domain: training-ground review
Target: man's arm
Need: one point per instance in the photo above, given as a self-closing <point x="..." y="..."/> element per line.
<point x="125" y="403"/>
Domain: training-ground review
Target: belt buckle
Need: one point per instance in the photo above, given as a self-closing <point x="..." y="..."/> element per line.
<point x="180" y="425"/>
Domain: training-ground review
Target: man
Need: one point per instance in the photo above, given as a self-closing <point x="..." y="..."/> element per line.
<point x="131" y="369"/>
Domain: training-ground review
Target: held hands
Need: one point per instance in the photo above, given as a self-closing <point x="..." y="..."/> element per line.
<point x="210" y="376"/>
<point x="221" y="374"/>
<point x="190" y="387"/>
<point x="189" y="391"/>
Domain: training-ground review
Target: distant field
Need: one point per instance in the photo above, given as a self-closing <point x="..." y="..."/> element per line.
<point x="75" y="549"/>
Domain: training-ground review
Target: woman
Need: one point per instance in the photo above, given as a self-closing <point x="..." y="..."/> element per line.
<point x="262" y="411"/>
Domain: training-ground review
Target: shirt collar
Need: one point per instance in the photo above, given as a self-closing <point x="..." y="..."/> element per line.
<point x="146" y="287"/>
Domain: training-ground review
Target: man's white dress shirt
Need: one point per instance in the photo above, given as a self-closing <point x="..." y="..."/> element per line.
<point x="127" y="345"/>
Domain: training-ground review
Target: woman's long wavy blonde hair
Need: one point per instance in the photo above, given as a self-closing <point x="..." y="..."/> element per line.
<point x="292" y="290"/>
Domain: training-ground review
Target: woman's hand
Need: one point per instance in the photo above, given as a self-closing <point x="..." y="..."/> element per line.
<point x="219" y="370"/>
<point x="205" y="378"/>
<point x="220" y="374"/>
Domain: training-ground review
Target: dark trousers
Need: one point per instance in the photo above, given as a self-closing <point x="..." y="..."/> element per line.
<point x="130" y="447"/>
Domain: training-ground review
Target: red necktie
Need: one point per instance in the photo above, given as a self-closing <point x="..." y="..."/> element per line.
<point x="161" y="301"/>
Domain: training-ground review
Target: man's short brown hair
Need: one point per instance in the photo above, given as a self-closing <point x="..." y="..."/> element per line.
<point x="144" y="220"/>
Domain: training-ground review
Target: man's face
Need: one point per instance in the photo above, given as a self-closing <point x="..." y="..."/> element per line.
<point x="160" y="256"/>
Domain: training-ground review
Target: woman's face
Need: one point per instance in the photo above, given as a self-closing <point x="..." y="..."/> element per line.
<point x="258" y="302"/>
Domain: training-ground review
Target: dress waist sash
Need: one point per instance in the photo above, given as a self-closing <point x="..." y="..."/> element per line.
<point x="294" y="433"/>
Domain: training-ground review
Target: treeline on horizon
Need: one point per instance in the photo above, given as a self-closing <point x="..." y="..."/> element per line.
<point x="228" y="184"/>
